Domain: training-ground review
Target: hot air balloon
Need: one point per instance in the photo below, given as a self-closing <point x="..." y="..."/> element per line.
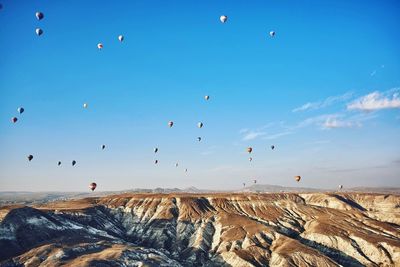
<point x="100" y="46"/>
<point x="30" y="157"/>
<point x="170" y="124"/>
<point x="92" y="186"/>
<point x="340" y="187"/>
<point x="207" y="97"/>
<point x="186" y="170"/>
<point x="103" y="147"/>
<point x="272" y="147"/>
<point x="250" y="159"/>
<point x="39" y="15"/>
<point x="59" y="163"/>
<point x="14" y="119"/>
<point x="120" y="38"/>
<point x="297" y="178"/>
<point x="155" y="149"/>
<point x="272" y="33"/>
<point x="85" y="105"/>
<point x="223" y="18"/>
<point x="20" y="110"/>
<point x="73" y="163"/>
<point x="249" y="150"/>
<point x="156" y="161"/>
<point x="244" y="184"/>
<point x="199" y="138"/>
<point x="39" y="31"/>
<point x="255" y="181"/>
<point x="200" y="125"/>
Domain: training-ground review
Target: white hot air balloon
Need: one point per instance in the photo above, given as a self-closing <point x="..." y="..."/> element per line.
<point x="272" y="33"/>
<point x="200" y="125"/>
<point x="39" y="15"/>
<point x="223" y="18"/>
<point x="85" y="105"/>
<point x="100" y="46"/>
<point x="120" y="38"/>
<point x="207" y="97"/>
<point x="39" y="31"/>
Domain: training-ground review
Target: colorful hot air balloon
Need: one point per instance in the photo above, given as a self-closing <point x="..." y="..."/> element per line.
<point x="92" y="186"/>
<point x="39" y="15"/>
<point x="223" y="18"/>
<point x="39" y="31"/>
<point x="100" y="46"/>
<point x="249" y="150"/>
<point x="170" y="124"/>
<point x="297" y="178"/>
<point x="14" y="119"/>
<point x="250" y="159"/>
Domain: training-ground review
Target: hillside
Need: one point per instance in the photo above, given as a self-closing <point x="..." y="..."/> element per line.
<point x="207" y="229"/>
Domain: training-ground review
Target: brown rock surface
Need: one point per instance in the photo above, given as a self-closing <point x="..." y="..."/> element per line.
<point x="180" y="229"/>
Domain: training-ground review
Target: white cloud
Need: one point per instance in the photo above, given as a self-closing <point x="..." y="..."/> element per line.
<point x="331" y="123"/>
<point x="251" y="135"/>
<point x="376" y="101"/>
<point x="277" y="135"/>
<point x="324" y="103"/>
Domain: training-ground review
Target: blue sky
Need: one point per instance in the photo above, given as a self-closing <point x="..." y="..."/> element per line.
<point x="324" y="91"/>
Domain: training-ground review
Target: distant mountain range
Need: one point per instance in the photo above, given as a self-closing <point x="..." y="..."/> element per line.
<point x="29" y="198"/>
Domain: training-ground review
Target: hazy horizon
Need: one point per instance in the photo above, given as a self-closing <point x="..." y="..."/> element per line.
<point x="325" y="91"/>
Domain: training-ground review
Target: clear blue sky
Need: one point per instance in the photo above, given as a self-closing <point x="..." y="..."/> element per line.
<point x="324" y="91"/>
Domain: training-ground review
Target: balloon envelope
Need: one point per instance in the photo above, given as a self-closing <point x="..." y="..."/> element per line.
<point x="39" y="15"/>
<point x="14" y="119"/>
<point x="20" y="110"/>
<point x="39" y="31"/>
<point x="223" y="18"/>
<point x="92" y="186"/>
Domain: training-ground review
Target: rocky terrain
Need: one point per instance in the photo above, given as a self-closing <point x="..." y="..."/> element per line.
<point x="207" y="229"/>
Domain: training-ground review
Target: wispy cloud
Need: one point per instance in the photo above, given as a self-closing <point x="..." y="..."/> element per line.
<point x="377" y="101"/>
<point x="336" y="120"/>
<point x="331" y="123"/>
<point x="277" y="135"/>
<point x="251" y="135"/>
<point x="375" y="71"/>
<point x="209" y="150"/>
<point x="324" y="103"/>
